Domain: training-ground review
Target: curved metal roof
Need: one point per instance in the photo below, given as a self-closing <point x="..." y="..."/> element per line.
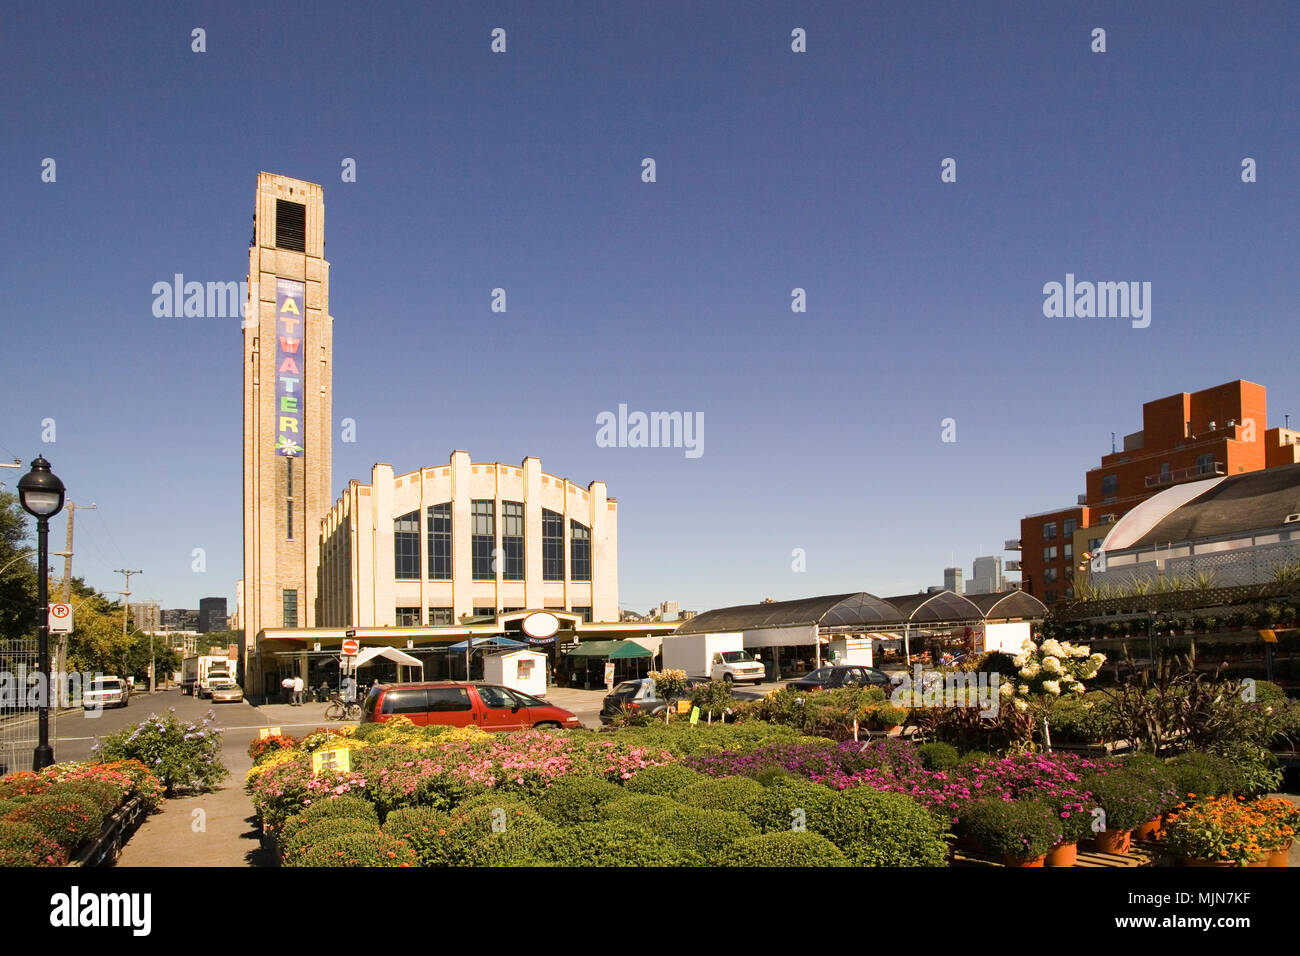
<point x="859" y="609"/>
<point x="1004" y="605"/>
<point x="939" y="606"/>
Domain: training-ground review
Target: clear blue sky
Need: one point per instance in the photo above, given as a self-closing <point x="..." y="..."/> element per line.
<point x="775" y="170"/>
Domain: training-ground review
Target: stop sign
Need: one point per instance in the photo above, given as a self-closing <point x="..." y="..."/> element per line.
<point x="351" y="647"/>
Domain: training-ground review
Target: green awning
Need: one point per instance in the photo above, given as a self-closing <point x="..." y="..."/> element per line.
<point x="614" y="650"/>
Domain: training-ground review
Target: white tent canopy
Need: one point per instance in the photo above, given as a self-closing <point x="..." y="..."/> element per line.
<point x="390" y="653"/>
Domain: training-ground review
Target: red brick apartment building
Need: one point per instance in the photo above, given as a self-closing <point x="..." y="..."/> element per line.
<point x="1184" y="437"/>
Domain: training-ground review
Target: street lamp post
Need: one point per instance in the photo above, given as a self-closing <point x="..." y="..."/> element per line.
<point x="41" y="494"/>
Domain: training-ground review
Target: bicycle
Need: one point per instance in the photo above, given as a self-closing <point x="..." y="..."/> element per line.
<point x="340" y="709"/>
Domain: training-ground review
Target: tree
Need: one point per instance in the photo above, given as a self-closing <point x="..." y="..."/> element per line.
<point x="17" y="571"/>
<point x="136" y="658"/>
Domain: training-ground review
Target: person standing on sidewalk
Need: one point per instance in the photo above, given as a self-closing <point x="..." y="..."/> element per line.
<point x="287" y="684"/>
<point x="297" y="691"/>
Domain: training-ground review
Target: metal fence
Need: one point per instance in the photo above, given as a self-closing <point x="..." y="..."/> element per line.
<point x="18" y="730"/>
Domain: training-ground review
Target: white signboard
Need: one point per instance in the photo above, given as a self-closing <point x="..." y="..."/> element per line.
<point x="60" y="619"/>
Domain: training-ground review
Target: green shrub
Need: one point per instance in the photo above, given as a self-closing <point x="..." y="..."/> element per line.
<point x="1129" y="798"/>
<point x="664" y="780"/>
<point x="474" y="837"/>
<point x="739" y="794"/>
<point x="424" y="830"/>
<point x="874" y="828"/>
<point x="772" y="775"/>
<point x="359" y="848"/>
<point x="6" y="806"/>
<point x="973" y="758"/>
<point x="105" y="795"/>
<point x="353" y="808"/>
<point x="612" y="843"/>
<point x="637" y="807"/>
<point x="341" y="807"/>
<point x="22" y="844"/>
<point x="706" y="832"/>
<point x="180" y="754"/>
<point x="1011" y="830"/>
<point x="575" y="799"/>
<point x="295" y="845"/>
<point x="683" y="739"/>
<point x="790" y="801"/>
<point x="785" y="849"/>
<point x="1253" y="770"/>
<point x="67" y="818"/>
<point x="938" y="756"/>
<point x="1199" y="774"/>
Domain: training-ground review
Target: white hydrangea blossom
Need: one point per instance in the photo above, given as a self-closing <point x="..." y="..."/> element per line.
<point x="1052" y="687"/>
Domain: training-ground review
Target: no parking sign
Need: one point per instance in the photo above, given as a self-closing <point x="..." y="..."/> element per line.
<point x="60" y="619"/>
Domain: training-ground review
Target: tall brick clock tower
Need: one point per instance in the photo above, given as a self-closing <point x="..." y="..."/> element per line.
<point x="288" y="337"/>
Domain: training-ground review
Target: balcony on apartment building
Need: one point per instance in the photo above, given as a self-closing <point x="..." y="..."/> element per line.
<point x="1209" y="469"/>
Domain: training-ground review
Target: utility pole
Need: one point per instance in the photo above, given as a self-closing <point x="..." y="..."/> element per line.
<point x="126" y="609"/>
<point x="66" y="554"/>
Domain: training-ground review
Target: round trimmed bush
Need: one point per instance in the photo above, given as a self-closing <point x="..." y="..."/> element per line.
<point x="787" y="848"/>
<point x="105" y="795"/>
<point x="1201" y="774"/>
<point x="353" y="807"/>
<point x="25" y="784"/>
<point x="307" y="837"/>
<point x="777" y="810"/>
<point x="637" y="807"/>
<point x="706" y="832"/>
<point x="423" y="829"/>
<point x="770" y="775"/>
<point x="68" y="818"/>
<point x="663" y="780"/>
<point x="359" y="849"/>
<point x="337" y="808"/>
<point x="21" y="844"/>
<point x="474" y="838"/>
<point x="739" y="794"/>
<point x="875" y="828"/>
<point x="575" y="799"/>
<point x="612" y="843"/>
<point x="938" y="756"/>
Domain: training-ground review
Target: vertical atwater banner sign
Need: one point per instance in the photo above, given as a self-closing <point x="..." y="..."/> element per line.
<point x="290" y="328"/>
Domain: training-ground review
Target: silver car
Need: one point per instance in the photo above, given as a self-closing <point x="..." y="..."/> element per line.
<point x="229" y="694"/>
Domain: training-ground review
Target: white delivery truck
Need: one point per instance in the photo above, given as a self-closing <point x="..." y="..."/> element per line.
<point x="198" y="672"/>
<point x="713" y="656"/>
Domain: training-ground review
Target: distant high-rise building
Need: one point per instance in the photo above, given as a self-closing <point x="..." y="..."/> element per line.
<point x="212" y="614"/>
<point x="988" y="576"/>
<point x="952" y="580"/>
<point x="147" y="616"/>
<point x="180" y="619"/>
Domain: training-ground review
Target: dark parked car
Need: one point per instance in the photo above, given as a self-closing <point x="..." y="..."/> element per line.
<point x="841" y="675"/>
<point x="634" y="695"/>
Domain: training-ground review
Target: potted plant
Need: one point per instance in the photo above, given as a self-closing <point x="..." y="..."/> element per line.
<point x="1018" y="832"/>
<point x="886" y="717"/>
<point x="1128" y="799"/>
<point x="1075" y="812"/>
<point x="1279" y="822"/>
<point x="1152" y="772"/>
<point x="1214" y="832"/>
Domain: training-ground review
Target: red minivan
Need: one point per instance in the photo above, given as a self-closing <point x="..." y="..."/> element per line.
<point x="489" y="706"/>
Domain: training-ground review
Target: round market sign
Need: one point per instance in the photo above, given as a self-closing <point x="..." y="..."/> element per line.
<point x="351" y="647"/>
<point x="541" y="625"/>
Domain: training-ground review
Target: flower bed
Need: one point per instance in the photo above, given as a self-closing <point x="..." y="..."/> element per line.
<point x="46" y="817"/>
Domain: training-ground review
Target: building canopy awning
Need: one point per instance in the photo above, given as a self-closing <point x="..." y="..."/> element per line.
<point x="857" y="610"/>
<point x="496" y="641"/>
<point x="614" y="650"/>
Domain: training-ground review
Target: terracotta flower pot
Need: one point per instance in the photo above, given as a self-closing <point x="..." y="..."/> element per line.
<point x="1113" y="841"/>
<point x="1036" y="861"/>
<point x="1279" y="857"/>
<point x="1065" y="854"/>
<point x="1149" y="830"/>
<point x="1193" y="861"/>
<point x="1262" y="861"/>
